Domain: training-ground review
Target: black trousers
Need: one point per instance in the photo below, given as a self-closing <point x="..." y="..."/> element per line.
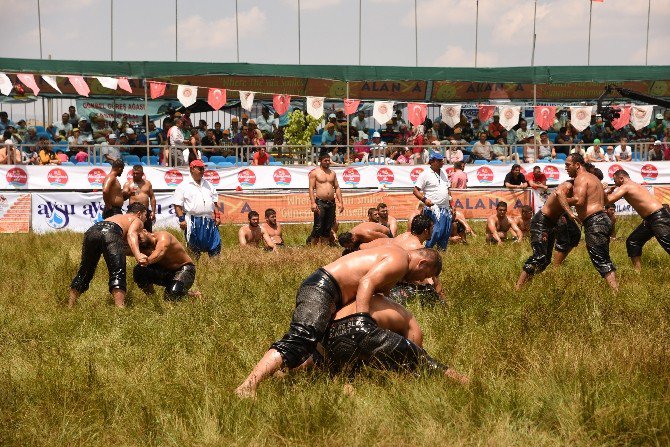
<point x="102" y="239"/>
<point x="657" y="225"/>
<point x="176" y="282"/>
<point x="597" y="230"/>
<point x="324" y="219"/>
<point x="542" y="238"/>
<point x="568" y="234"/>
<point x="111" y="211"/>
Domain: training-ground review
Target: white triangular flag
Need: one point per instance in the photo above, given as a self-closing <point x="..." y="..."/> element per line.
<point x="382" y="111"/>
<point x="580" y="117"/>
<point x="5" y="84"/>
<point x="187" y="94"/>
<point x="451" y="114"/>
<point x="51" y="80"/>
<point x="110" y="83"/>
<point x="509" y="116"/>
<point x="247" y="100"/>
<point x="640" y="116"/>
<point x="315" y="106"/>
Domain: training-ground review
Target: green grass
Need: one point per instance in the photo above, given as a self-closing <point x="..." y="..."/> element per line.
<point x="565" y="362"/>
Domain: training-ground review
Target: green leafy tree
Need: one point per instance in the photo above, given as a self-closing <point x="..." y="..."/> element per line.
<point x="300" y="129"/>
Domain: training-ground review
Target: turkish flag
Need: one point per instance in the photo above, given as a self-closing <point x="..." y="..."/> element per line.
<point x="624" y="117"/>
<point x="79" y="85"/>
<point x="29" y="81"/>
<point x="416" y="113"/>
<point x="125" y="85"/>
<point x="544" y="116"/>
<point x="281" y="103"/>
<point x="157" y="89"/>
<point x="486" y="112"/>
<point x="216" y="98"/>
<point x="351" y="106"/>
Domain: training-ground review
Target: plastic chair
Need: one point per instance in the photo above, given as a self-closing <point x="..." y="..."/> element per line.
<point x="552" y="136"/>
<point x="230" y="159"/>
<point x="217" y="159"/>
<point x="561" y="156"/>
<point x="67" y="163"/>
<point x="40" y="129"/>
<point x="131" y="159"/>
<point x="276" y="163"/>
<point x="73" y="159"/>
<point x="496" y="162"/>
<point x="156" y="150"/>
<point x="204" y="158"/>
<point x="481" y="162"/>
<point x="224" y="164"/>
<point x="316" y="140"/>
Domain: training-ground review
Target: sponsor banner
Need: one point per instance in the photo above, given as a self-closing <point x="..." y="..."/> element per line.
<point x="132" y="108"/>
<point x="294" y="207"/>
<point x="14" y="212"/>
<point x="90" y="178"/>
<point x="78" y="211"/>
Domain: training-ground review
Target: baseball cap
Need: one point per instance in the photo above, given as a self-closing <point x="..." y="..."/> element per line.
<point x="596" y="141"/>
<point x="76" y="129"/>
<point x="252" y="121"/>
<point x="112" y="136"/>
<point x="376" y="135"/>
<point x="82" y="118"/>
<point x="235" y="119"/>
<point x="436" y="156"/>
<point x="657" y="143"/>
<point x="177" y="114"/>
<point x="129" y="131"/>
<point x="197" y="164"/>
<point x="362" y="135"/>
<point x="332" y="115"/>
<point x="659" y="116"/>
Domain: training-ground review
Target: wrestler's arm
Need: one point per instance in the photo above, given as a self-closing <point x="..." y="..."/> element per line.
<point x="393" y="227"/>
<point x="242" y="237"/>
<point x="338" y="194"/>
<point x="268" y="240"/>
<point x="133" y="241"/>
<point x="376" y="243"/>
<point x="578" y="193"/>
<point x="616" y="194"/>
<point x="162" y="245"/>
<point x="381" y="277"/>
<point x="312" y="185"/>
<point x="516" y="229"/>
<point x="491" y="226"/>
<point x="125" y="191"/>
<point x="152" y="201"/>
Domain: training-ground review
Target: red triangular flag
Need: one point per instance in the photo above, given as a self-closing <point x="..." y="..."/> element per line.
<point x="216" y="98"/>
<point x="125" y="85"/>
<point x="624" y="117"/>
<point x="281" y="103"/>
<point x="29" y="81"/>
<point x="79" y="85"/>
<point x="544" y="116"/>
<point x="351" y="106"/>
<point x="486" y="112"/>
<point x="416" y="113"/>
<point x="157" y="89"/>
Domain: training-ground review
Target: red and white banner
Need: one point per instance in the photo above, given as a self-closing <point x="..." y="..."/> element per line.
<point x="6" y="85"/>
<point x="486" y="112"/>
<point x="382" y="111"/>
<point x="580" y="117"/>
<point x="29" y="81"/>
<point x="509" y="116"/>
<point x="451" y="114"/>
<point x="216" y="98"/>
<point x="247" y="100"/>
<point x="157" y="89"/>
<point x="14" y="212"/>
<point x="187" y="94"/>
<point x="544" y="116"/>
<point x="640" y="116"/>
<point x="416" y="113"/>
<point x="351" y="106"/>
<point x="315" y="106"/>
<point x="124" y="85"/>
<point x="79" y="85"/>
<point x="624" y="117"/>
<point x="281" y="103"/>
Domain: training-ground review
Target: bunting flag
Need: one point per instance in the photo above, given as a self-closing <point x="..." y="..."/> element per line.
<point x="216" y="98"/>
<point x="247" y="100"/>
<point x="486" y="112"/>
<point x="315" y="106"/>
<point x="509" y="116"/>
<point x="29" y="81"/>
<point x="79" y="85"/>
<point x="416" y="113"/>
<point x="51" y="80"/>
<point x="157" y="89"/>
<point x="125" y="85"/>
<point x="351" y="106"/>
<point x="580" y="117"/>
<point x="382" y="111"/>
<point x="624" y="117"/>
<point x="5" y="84"/>
<point x="640" y="116"/>
<point x="187" y="94"/>
<point x="451" y="114"/>
<point x="544" y="116"/>
<point x="110" y="83"/>
<point x="281" y="103"/>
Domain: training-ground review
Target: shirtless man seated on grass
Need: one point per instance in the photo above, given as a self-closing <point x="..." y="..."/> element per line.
<point x="360" y="234"/>
<point x="272" y="227"/>
<point x="460" y="229"/>
<point x="523" y="220"/>
<point x="498" y="225"/>
<point x="253" y="234"/>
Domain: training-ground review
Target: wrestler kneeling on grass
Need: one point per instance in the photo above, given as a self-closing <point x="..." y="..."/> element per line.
<point x="168" y="266"/>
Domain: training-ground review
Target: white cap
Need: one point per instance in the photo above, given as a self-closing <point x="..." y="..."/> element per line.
<point x="89" y="139"/>
<point x="659" y="116"/>
<point x="657" y="143"/>
<point x="112" y="136"/>
<point x="376" y="135"/>
<point x="129" y="131"/>
<point x="362" y="135"/>
<point x="332" y="115"/>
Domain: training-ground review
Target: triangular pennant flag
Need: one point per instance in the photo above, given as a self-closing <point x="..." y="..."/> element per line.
<point x="125" y="85"/>
<point x="451" y="114"/>
<point x="509" y="116"/>
<point x="624" y="117"/>
<point x="187" y="94"/>
<point x="580" y="117"/>
<point x="351" y="106"/>
<point x="110" y="83"/>
<point x="216" y="98"/>
<point x="382" y="111"/>
<point x="79" y="85"/>
<point x="416" y="113"/>
<point x="247" y="100"/>
<point x="486" y="112"/>
<point x="544" y="116"/>
<point x="315" y="106"/>
<point x="281" y="103"/>
<point x="29" y="81"/>
<point x="5" y="84"/>
<point x="51" y="80"/>
<point x="640" y="116"/>
<point x="157" y="89"/>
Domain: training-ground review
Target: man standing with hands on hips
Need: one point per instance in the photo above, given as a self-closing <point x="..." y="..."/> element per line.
<point x="196" y="206"/>
<point x="432" y="188"/>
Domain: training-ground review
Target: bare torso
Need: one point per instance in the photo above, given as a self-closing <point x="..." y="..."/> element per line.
<point x="324" y="187"/>
<point x="175" y="256"/>
<point x="123" y="220"/>
<point x="552" y="207"/>
<point x="252" y="235"/>
<point x="391" y="223"/>
<point x="275" y="233"/>
<point x="111" y="193"/>
<point x="406" y="241"/>
<point x="594" y="195"/>
<point x="369" y="231"/>
<point x="640" y="198"/>
<point x="139" y="192"/>
<point x="502" y="225"/>
<point x="524" y="225"/>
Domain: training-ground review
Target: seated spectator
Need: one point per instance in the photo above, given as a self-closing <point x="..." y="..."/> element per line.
<point x="515" y="179"/>
<point x="545" y="148"/>
<point x="458" y="178"/>
<point x="587" y="137"/>
<point x="657" y="127"/>
<point x="218" y="133"/>
<point x="84" y="127"/>
<point x="537" y="180"/>
<point x="523" y="134"/>
<point x="329" y="136"/>
<point x="598" y="128"/>
<point x="261" y="157"/>
<point x="258" y="140"/>
<point x="76" y="138"/>
<point x="405" y="158"/>
<point x="478" y="127"/>
<point x="74" y="118"/>
<point x="361" y="148"/>
<point x="265" y="122"/>
<point x="417" y="140"/>
<point x="359" y="122"/>
<point x="209" y="139"/>
<point x="656" y="152"/>
<point x="61" y="126"/>
<point x="388" y="135"/>
<point x="31" y="136"/>
<point x="502" y="151"/>
<point x="47" y="155"/>
<point x="495" y="128"/>
<point x="454" y="154"/>
<point x="482" y="150"/>
<point x="595" y="153"/>
<point x="378" y="147"/>
<point x="62" y="156"/>
<point x="623" y="152"/>
<point x="131" y="136"/>
<point x="578" y="149"/>
<point x="335" y="157"/>
<point x="82" y="155"/>
<point x="5" y="122"/>
<point x="100" y="129"/>
<point x="225" y="138"/>
<point x="21" y="129"/>
<point x="234" y="126"/>
<point x="9" y="153"/>
<point x="564" y="139"/>
<point x="609" y="153"/>
<point x="398" y="122"/>
<point x="110" y="151"/>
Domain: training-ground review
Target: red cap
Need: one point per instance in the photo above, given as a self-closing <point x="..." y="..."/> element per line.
<point x="197" y="164"/>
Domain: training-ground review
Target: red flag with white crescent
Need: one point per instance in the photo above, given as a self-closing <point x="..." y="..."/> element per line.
<point x="125" y="85"/>
<point x="281" y="103"/>
<point x="416" y="113"/>
<point x="79" y="85"/>
<point x="624" y="117"/>
<point x="486" y="112"/>
<point x="544" y="116"/>
<point x="216" y="98"/>
<point x="157" y="89"/>
<point x="29" y="81"/>
<point x="351" y="106"/>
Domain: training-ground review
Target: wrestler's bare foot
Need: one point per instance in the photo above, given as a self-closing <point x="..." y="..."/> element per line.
<point x="73" y="298"/>
<point x="245" y="391"/>
<point x="458" y="377"/>
<point x="195" y="293"/>
<point x="348" y="389"/>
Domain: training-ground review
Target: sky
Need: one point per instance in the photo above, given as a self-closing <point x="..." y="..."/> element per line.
<point x="329" y="31"/>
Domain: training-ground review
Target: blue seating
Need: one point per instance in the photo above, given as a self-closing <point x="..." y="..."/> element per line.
<point x="156" y="150"/>
<point x="131" y="159"/>
<point x="224" y="164"/>
<point x="40" y="129"/>
<point x="316" y="140"/>
<point x="552" y="136"/>
<point x="152" y="160"/>
<point x="276" y="163"/>
<point x="543" y="160"/>
<point x="73" y="159"/>
<point x="481" y="162"/>
<point x="496" y="162"/>
<point x="561" y="156"/>
<point x="241" y="163"/>
<point x="67" y="163"/>
<point x="204" y="158"/>
<point x="218" y="159"/>
<point x="230" y="159"/>
<point x="209" y="164"/>
<point x="44" y="134"/>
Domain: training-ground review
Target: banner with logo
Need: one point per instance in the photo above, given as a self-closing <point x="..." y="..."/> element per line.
<point x="14" y="212"/>
<point x="132" y="108"/>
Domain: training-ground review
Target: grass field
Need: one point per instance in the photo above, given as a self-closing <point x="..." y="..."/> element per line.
<point x="565" y="362"/>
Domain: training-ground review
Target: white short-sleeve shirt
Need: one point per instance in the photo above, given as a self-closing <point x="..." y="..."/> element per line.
<point x="435" y="186"/>
<point x="196" y="199"/>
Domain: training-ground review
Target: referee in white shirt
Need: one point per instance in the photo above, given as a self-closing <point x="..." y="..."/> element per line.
<point x="196" y="206"/>
<point x="432" y="188"/>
